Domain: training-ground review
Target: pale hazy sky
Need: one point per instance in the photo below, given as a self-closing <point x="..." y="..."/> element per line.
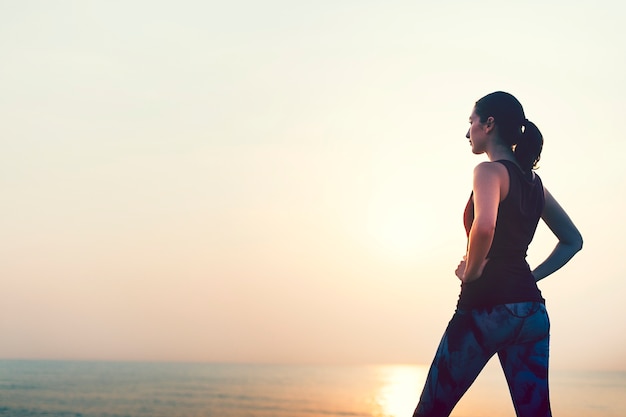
<point x="283" y="181"/>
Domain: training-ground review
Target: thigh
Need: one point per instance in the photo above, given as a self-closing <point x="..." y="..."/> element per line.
<point x="525" y="366"/>
<point x="458" y="361"/>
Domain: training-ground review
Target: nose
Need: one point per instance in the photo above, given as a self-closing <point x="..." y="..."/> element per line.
<point x="467" y="134"/>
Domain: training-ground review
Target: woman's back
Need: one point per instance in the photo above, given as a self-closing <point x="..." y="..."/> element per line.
<point x="507" y="277"/>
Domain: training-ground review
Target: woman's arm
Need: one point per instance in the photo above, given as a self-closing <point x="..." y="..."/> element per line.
<point x="488" y="179"/>
<point x="570" y="239"/>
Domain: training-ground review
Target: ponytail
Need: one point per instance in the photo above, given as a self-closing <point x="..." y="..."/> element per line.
<point x="529" y="146"/>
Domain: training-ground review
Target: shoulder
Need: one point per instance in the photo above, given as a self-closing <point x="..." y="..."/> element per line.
<point x="491" y="178"/>
<point x="490" y="171"/>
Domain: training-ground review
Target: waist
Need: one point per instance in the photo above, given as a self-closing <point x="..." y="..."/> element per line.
<point x="509" y="249"/>
<point x="502" y="281"/>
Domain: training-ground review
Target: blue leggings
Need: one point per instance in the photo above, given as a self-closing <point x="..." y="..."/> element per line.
<point x="519" y="333"/>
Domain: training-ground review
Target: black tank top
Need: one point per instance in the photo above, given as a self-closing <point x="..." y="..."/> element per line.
<point x="507" y="277"/>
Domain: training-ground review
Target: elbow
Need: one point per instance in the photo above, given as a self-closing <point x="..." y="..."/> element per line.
<point x="575" y="242"/>
<point x="579" y="243"/>
<point x="483" y="231"/>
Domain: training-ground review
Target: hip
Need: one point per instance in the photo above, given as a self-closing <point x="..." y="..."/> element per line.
<point x="506" y="324"/>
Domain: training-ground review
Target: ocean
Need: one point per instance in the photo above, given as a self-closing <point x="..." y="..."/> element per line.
<point x="135" y="389"/>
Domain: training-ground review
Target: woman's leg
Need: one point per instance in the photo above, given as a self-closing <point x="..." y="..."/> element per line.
<point x="525" y="366"/>
<point x="458" y="361"/>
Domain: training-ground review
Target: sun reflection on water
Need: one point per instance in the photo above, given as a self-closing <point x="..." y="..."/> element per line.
<point x="402" y="385"/>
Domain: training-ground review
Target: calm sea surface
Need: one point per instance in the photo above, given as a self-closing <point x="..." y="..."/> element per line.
<point x="103" y="389"/>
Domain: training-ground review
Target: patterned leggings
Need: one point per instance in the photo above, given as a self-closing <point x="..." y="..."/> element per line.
<point x="518" y="333"/>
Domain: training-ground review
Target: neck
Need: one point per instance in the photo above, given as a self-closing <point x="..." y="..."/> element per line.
<point x="498" y="152"/>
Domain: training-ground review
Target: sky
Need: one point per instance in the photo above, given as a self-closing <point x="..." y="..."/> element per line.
<point x="283" y="182"/>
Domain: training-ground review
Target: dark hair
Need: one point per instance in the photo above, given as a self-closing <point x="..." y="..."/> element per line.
<point x="513" y="126"/>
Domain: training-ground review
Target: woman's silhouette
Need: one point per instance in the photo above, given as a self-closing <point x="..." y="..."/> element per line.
<point x="500" y="309"/>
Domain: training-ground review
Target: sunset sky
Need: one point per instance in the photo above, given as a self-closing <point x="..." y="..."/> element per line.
<point x="283" y="181"/>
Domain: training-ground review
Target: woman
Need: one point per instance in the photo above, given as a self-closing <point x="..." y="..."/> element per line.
<point x="500" y="309"/>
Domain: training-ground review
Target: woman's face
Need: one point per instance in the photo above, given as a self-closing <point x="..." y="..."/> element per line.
<point x="477" y="134"/>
